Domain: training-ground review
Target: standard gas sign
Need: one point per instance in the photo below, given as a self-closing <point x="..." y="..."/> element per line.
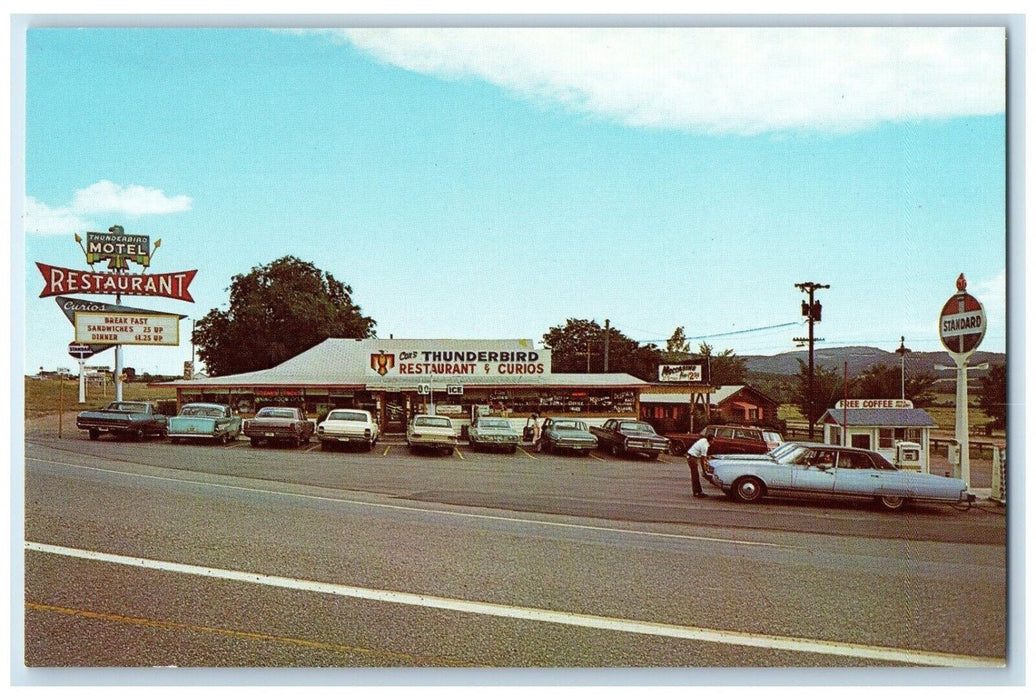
<point x="962" y="322"/>
<point x="127" y="329"/>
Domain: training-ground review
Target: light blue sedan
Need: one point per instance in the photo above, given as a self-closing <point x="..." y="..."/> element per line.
<point x="209" y="421"/>
<point x="798" y="468"/>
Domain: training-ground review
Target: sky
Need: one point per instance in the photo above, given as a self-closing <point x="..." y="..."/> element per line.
<point x="495" y="182"/>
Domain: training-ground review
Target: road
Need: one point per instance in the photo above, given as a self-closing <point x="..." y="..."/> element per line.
<point x="149" y="554"/>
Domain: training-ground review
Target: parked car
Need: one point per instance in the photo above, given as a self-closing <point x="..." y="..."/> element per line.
<point x="566" y="434"/>
<point x="278" y="424"/>
<point x="728" y="440"/>
<point x="813" y="469"/>
<point x="348" y="426"/>
<point x="431" y="432"/>
<point x="208" y="421"/>
<point x="621" y="437"/>
<point x="132" y="420"/>
<point x="487" y="432"/>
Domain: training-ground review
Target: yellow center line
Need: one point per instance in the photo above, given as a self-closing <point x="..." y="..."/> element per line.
<point x="411" y="659"/>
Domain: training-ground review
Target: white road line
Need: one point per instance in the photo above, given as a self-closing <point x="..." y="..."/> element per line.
<point x="713" y="636"/>
<point x="432" y="511"/>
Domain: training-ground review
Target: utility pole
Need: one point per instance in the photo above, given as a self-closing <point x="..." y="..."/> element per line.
<point x="811" y="310"/>
<point x="607" y="339"/>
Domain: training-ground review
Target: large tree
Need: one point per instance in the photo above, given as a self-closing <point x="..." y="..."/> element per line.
<point x="726" y="368"/>
<point x="277" y="311"/>
<point x="677" y="341"/>
<point x="578" y="346"/>
<point x="992" y="397"/>
<point x="828" y="388"/>
<point x="886" y="382"/>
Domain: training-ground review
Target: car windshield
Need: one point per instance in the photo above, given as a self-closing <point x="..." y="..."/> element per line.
<point x="784" y="448"/>
<point x="347" y="416"/>
<point x="570" y="425"/>
<point x="788" y="453"/>
<point x="493" y="423"/>
<point x="772" y="437"/>
<point x="432" y="422"/>
<point x="275" y="413"/>
<point x="201" y="411"/>
<point x="639" y="427"/>
<point x="127" y="407"/>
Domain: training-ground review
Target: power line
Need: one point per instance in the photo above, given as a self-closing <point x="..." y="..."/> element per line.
<point x="729" y="333"/>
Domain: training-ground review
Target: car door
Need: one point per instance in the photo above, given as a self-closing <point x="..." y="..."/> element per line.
<point x="546" y="431"/>
<point x="815" y="471"/>
<point x="855" y="475"/>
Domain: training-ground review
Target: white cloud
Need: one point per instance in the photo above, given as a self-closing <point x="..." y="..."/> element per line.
<point x="720" y="80"/>
<point x="42" y="220"/>
<point x="131" y="200"/>
<point x="102" y="197"/>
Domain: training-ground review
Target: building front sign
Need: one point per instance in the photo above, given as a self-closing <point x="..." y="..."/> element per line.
<point x="873" y="403"/>
<point x="680" y="373"/>
<point x="449" y="362"/>
<point x="127" y="329"/>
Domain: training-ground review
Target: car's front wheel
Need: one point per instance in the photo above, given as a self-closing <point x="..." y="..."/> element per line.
<point x="748" y="489"/>
<point x="892" y="503"/>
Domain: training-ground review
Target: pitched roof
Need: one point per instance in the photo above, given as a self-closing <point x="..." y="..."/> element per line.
<point x="891" y="417"/>
<point x="346" y="362"/>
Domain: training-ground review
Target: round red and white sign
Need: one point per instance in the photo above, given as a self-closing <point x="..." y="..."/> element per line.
<point x="962" y="324"/>
<point x="80" y="351"/>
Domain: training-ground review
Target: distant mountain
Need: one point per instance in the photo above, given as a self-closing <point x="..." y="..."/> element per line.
<point x="860" y="358"/>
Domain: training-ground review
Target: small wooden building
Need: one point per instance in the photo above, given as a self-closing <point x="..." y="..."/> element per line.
<point x="879" y="425"/>
<point x="738" y="403"/>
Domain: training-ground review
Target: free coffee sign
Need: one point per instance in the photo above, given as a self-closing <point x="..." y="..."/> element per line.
<point x="962" y="323"/>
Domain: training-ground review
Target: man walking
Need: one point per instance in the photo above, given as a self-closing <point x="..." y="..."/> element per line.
<point x="696" y="456"/>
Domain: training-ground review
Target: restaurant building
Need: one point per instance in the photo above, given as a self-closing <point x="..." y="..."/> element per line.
<point x="397" y="378"/>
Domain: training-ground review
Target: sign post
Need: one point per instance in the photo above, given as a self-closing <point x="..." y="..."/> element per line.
<point x="962" y="325"/>
<point x="81" y="352"/>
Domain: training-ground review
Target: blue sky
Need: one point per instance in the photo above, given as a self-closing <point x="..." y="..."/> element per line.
<point x="494" y="183"/>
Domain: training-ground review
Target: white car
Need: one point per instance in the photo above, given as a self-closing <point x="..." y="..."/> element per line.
<point x="348" y="426"/>
<point x="432" y="432"/>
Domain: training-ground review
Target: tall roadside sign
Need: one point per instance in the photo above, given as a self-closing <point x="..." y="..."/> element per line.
<point x="101" y="326"/>
<point x="962" y="325"/>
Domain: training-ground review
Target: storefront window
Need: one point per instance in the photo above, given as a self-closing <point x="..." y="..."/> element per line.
<point x="886" y="437"/>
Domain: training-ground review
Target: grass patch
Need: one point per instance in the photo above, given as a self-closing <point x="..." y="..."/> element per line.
<point x="45" y="396"/>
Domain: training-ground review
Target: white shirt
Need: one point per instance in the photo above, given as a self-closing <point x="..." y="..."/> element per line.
<point x="699" y="449"/>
